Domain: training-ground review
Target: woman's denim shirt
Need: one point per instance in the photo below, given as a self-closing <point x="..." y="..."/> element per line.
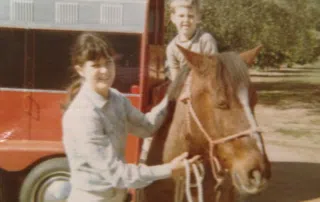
<point x="94" y="136"/>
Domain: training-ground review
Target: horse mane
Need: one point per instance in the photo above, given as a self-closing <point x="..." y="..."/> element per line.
<point x="232" y="69"/>
<point x="175" y="87"/>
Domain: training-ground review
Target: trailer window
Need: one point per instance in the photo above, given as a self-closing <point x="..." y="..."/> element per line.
<point x="12" y="58"/>
<point x="128" y="50"/>
<point x="52" y="59"/>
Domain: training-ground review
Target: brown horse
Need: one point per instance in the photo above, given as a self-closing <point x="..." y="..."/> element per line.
<point x="213" y="117"/>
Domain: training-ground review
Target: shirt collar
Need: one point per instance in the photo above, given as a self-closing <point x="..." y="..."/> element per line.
<point x="97" y="99"/>
<point x="190" y="41"/>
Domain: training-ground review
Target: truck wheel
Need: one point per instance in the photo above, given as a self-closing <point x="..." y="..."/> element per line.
<point x="8" y="186"/>
<point x="48" y="181"/>
<point x="3" y="195"/>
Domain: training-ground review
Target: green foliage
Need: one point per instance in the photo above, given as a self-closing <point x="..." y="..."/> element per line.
<point x="286" y="28"/>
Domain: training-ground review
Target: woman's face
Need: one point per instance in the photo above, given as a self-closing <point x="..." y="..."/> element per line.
<point x="98" y="74"/>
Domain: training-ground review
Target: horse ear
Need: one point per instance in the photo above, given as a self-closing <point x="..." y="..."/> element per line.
<point x="249" y="56"/>
<point x="195" y="59"/>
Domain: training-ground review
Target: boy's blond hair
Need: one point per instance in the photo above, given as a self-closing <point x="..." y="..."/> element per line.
<point x="173" y="4"/>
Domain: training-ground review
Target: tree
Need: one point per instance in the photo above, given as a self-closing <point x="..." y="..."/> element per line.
<point x="286" y="28"/>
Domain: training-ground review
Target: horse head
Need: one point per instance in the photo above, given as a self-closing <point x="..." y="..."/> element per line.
<point x="220" y="102"/>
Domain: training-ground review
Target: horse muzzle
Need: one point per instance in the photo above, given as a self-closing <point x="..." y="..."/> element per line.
<point x="253" y="183"/>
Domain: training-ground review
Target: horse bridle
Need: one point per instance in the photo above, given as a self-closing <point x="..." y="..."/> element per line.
<point x="216" y="168"/>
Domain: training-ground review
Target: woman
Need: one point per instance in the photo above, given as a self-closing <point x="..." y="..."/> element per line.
<point x="95" y="127"/>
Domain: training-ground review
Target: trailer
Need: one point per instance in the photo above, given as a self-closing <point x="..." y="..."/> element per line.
<point x="35" y="41"/>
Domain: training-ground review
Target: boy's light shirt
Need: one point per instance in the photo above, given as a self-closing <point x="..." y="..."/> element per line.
<point x="94" y="137"/>
<point x="201" y="42"/>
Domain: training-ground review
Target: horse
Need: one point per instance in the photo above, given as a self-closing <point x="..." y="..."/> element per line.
<point x="213" y="117"/>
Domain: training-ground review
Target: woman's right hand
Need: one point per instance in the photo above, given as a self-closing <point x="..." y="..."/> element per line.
<point x="177" y="164"/>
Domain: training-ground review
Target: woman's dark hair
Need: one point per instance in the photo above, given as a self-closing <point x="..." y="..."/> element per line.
<point x="87" y="47"/>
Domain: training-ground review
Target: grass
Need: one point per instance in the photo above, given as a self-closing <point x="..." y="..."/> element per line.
<point x="294" y="132"/>
<point x="284" y="95"/>
<point x="299" y="86"/>
<point x="293" y="122"/>
<point x="315" y="122"/>
<point x="296" y="88"/>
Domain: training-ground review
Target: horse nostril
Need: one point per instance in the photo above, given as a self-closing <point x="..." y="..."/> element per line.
<point x="255" y="177"/>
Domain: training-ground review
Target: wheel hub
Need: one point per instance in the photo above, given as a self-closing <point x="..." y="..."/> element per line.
<point x="54" y="189"/>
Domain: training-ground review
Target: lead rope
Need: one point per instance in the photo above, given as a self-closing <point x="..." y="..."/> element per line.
<point x="199" y="172"/>
<point x="179" y="190"/>
<point x="188" y="181"/>
<point x="199" y="180"/>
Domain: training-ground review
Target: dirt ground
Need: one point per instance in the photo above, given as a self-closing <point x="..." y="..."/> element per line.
<point x="289" y="114"/>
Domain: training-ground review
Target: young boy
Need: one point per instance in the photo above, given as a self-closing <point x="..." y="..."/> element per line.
<point x="185" y="15"/>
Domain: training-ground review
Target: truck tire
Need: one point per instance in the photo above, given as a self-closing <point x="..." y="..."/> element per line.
<point x="9" y="186"/>
<point x="48" y="181"/>
<point x="3" y="195"/>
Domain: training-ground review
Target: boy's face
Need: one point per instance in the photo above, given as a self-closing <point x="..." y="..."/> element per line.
<point x="185" y="20"/>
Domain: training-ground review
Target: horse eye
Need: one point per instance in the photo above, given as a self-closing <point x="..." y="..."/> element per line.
<point x="223" y="105"/>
